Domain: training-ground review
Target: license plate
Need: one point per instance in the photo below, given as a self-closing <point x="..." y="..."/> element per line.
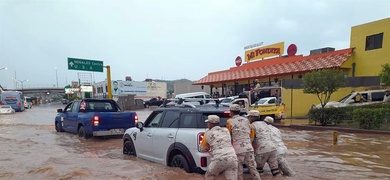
<point x="116" y="131"/>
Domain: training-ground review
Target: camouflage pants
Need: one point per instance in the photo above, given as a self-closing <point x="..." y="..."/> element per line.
<point x="227" y="166"/>
<point x="249" y="159"/>
<point x="271" y="159"/>
<point x="283" y="165"/>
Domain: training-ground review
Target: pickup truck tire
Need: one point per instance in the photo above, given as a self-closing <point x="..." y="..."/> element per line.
<point x="82" y="133"/>
<point x="59" y="127"/>
<point x="146" y="105"/>
<point x="129" y="149"/>
<point x="180" y="162"/>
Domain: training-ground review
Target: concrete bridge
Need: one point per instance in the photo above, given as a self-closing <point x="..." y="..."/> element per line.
<point x="45" y="94"/>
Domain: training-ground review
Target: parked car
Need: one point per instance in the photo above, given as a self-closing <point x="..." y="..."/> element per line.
<point x="358" y="99"/>
<point x="171" y="135"/>
<point x="94" y="117"/>
<point x="27" y="102"/>
<point x="65" y="101"/>
<point x="6" y="109"/>
<point x="227" y="100"/>
<point x="153" y="102"/>
<point x="266" y="101"/>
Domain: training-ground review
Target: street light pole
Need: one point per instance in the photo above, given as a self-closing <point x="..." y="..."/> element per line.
<point x="21" y="82"/>
<point x="56" y="75"/>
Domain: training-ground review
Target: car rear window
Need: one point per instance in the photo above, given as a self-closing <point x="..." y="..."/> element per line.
<point x="223" y="118"/>
<point x="377" y="96"/>
<point x="101" y="106"/>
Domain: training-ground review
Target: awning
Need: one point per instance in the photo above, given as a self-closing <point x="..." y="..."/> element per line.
<point x="279" y="66"/>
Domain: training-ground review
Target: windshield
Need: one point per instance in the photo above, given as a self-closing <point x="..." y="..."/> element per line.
<point x="261" y="101"/>
<point x="345" y="98"/>
<point x="226" y="100"/>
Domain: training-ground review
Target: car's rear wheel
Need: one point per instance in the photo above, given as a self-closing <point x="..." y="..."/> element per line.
<point x="82" y="133"/>
<point x="128" y="148"/>
<point x="180" y="162"/>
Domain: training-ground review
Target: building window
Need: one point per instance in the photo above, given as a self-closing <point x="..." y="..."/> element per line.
<point x="374" y="41"/>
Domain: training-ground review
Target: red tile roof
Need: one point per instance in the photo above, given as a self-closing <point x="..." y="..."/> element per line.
<point x="278" y="66"/>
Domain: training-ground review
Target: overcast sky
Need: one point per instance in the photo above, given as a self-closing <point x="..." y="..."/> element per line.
<point x="164" y="39"/>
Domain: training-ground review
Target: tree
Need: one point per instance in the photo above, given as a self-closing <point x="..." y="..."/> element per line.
<point x="385" y="74"/>
<point x="323" y="83"/>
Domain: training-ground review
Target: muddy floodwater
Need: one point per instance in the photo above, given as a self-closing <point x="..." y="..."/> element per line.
<point x="30" y="148"/>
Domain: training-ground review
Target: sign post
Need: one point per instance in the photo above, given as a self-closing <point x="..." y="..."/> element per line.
<point x="109" y="82"/>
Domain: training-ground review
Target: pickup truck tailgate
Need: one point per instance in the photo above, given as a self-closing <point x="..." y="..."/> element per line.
<point x="115" y="120"/>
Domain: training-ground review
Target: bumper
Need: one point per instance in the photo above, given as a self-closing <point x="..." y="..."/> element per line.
<point x="111" y="132"/>
<point x="198" y="170"/>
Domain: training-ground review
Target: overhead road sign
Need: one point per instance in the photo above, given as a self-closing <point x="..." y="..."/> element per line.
<point x="85" y="65"/>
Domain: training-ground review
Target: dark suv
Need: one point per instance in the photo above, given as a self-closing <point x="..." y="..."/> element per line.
<point x="171" y="136"/>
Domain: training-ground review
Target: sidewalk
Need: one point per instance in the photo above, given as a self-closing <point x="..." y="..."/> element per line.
<point x="303" y="124"/>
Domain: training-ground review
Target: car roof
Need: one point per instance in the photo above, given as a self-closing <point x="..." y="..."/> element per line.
<point x="199" y="108"/>
<point x="269" y="98"/>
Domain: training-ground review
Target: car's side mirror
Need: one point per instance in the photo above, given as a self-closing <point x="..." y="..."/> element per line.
<point x="59" y="111"/>
<point x="140" y="125"/>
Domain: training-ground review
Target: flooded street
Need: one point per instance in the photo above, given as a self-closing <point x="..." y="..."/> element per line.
<point x="32" y="149"/>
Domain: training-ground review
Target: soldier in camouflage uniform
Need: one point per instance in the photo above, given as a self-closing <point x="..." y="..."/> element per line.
<point x="242" y="136"/>
<point x="223" y="156"/>
<point x="276" y="137"/>
<point x="265" y="148"/>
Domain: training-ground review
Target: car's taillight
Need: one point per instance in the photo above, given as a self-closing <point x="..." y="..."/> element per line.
<point x="203" y="161"/>
<point x="135" y="118"/>
<point x="19" y="104"/>
<point x="95" y="121"/>
<point x="227" y="112"/>
<point x="2" y="103"/>
<point x="200" y="138"/>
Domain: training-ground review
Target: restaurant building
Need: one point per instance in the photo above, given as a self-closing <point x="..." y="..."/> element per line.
<point x="369" y="50"/>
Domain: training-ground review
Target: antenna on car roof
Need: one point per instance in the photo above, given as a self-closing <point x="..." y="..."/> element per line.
<point x="165" y="102"/>
<point x="181" y="100"/>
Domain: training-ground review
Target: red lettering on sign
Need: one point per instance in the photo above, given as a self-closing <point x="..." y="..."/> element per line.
<point x="259" y="52"/>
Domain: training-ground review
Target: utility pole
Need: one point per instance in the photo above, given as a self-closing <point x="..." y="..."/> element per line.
<point x="56" y="75"/>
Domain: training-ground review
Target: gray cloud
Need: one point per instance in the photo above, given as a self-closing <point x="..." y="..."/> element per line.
<point x="164" y="39"/>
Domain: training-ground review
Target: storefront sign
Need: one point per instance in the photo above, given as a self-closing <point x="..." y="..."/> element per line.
<point x="291" y="50"/>
<point x="238" y="61"/>
<point x="128" y="87"/>
<point x="253" y="46"/>
<point x="264" y="52"/>
<point x="86" y="88"/>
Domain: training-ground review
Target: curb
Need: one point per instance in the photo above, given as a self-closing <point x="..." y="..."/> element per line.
<point x="327" y="128"/>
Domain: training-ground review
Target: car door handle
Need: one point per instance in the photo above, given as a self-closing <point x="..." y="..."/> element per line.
<point x="170" y="136"/>
<point x="149" y="135"/>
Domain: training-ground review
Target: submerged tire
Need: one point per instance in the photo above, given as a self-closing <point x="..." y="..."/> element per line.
<point x="129" y="149"/>
<point x="82" y="133"/>
<point x="180" y="162"/>
<point x="59" y="127"/>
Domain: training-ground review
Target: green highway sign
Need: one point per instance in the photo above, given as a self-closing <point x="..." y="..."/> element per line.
<point x="85" y="65"/>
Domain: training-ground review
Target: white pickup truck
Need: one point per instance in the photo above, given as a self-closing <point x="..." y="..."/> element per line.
<point x="358" y="99"/>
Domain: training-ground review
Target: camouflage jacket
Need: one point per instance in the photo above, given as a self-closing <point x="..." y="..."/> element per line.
<point x="240" y="129"/>
<point x="263" y="138"/>
<point x="218" y="139"/>
<point x="276" y="137"/>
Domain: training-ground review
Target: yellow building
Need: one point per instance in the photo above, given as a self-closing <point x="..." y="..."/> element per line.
<point x="371" y="43"/>
<point x="369" y="49"/>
